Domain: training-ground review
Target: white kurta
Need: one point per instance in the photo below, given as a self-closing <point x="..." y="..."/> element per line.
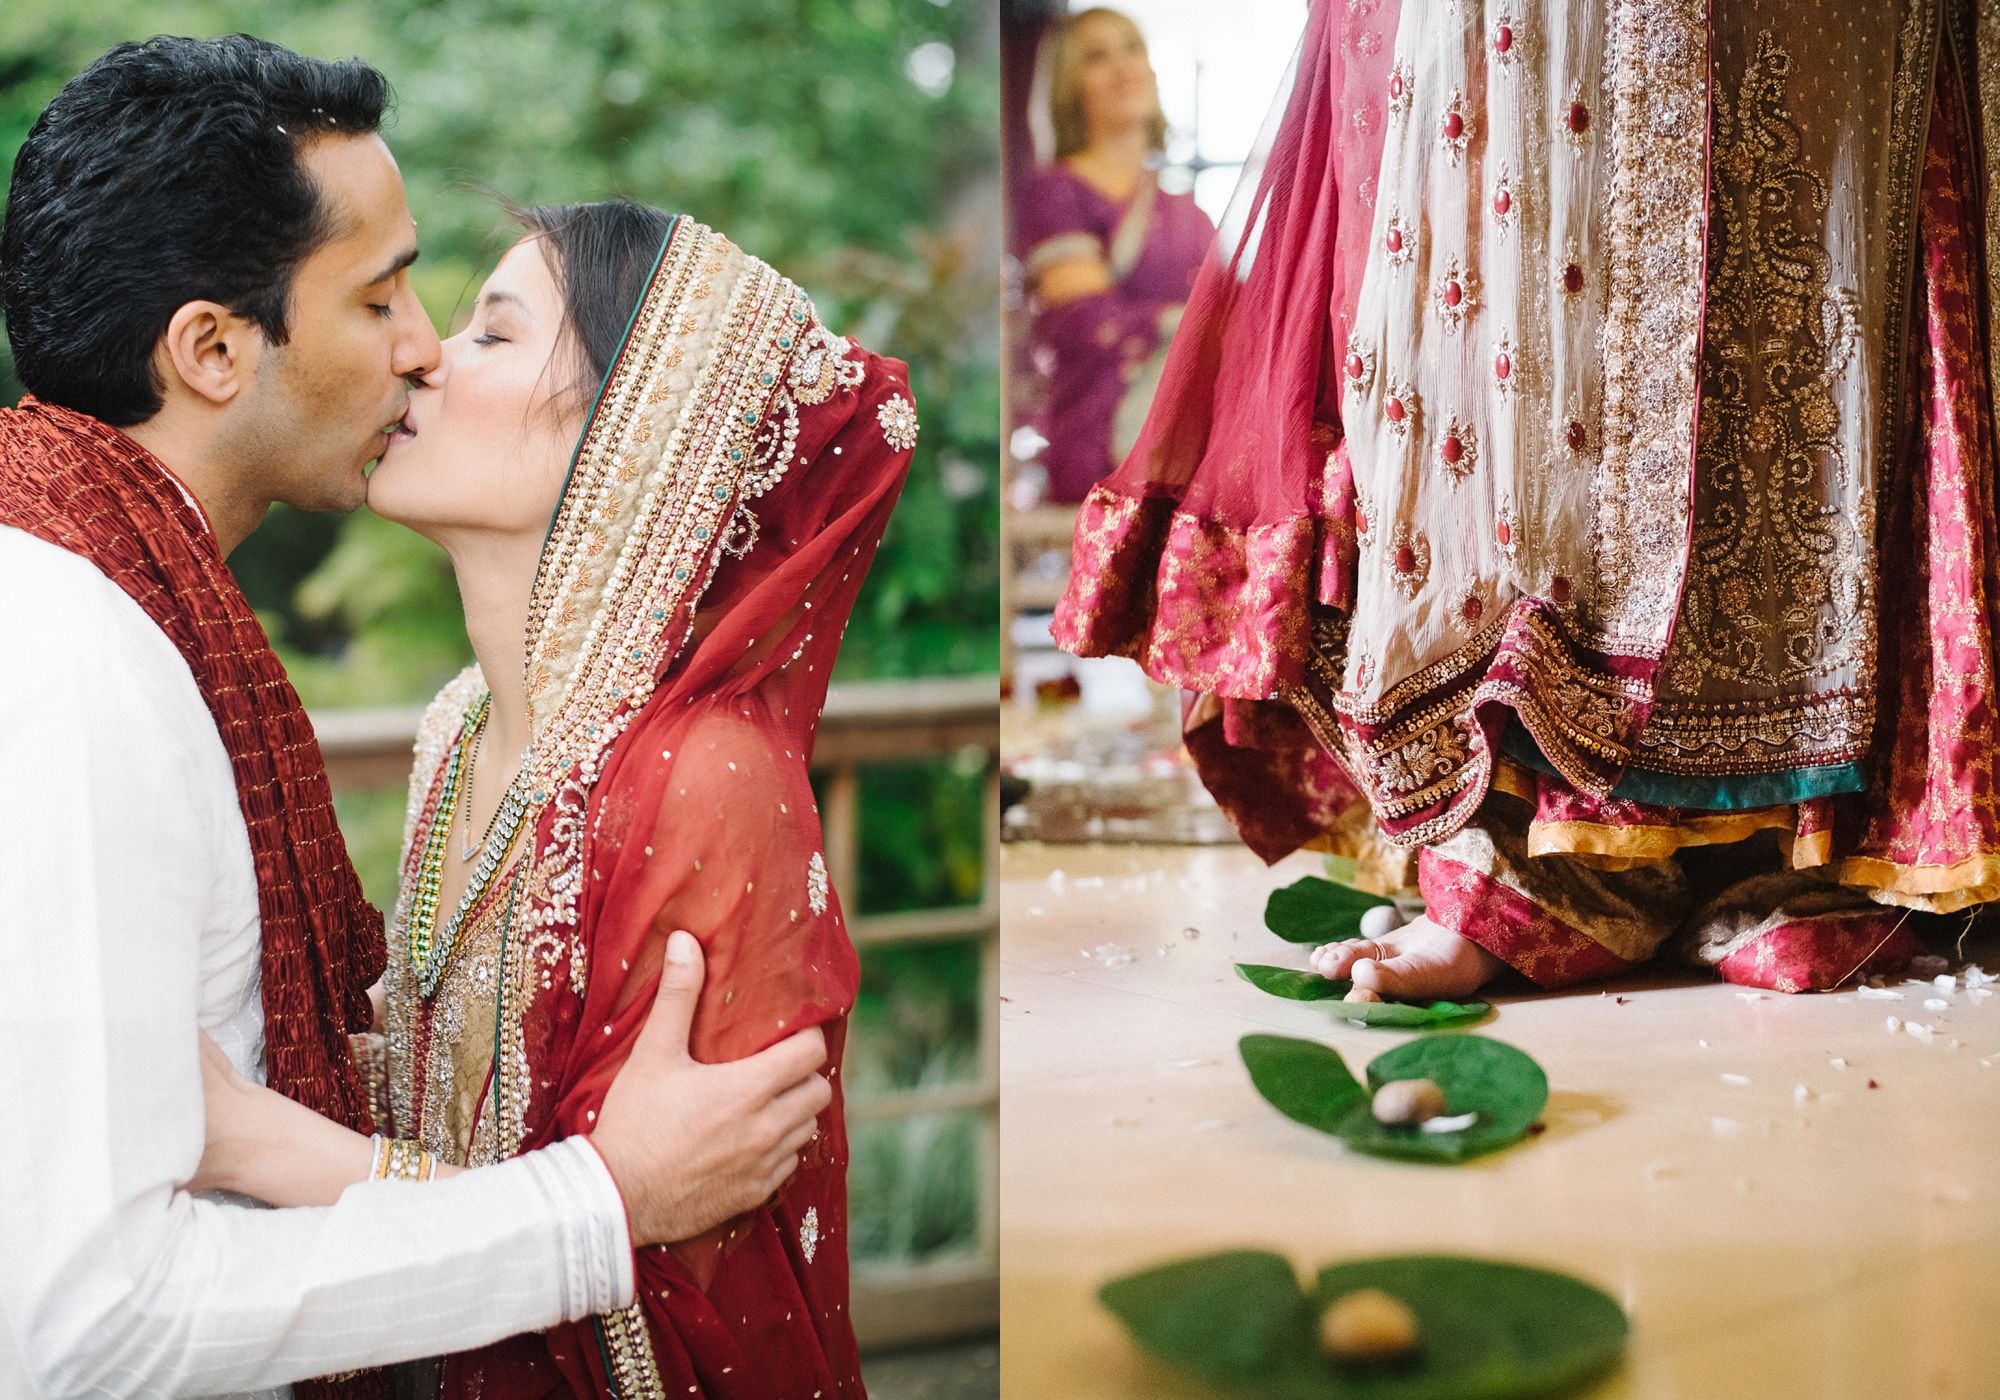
<point x="128" y="919"/>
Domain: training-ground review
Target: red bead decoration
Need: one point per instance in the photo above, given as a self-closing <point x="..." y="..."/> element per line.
<point x="1394" y="410"/>
<point x="1395" y="240"/>
<point x="1576" y="436"/>
<point x="1452" y="450"/>
<point x="1406" y="560"/>
<point x="1454" y="125"/>
<point x="1453" y="294"/>
<point x="1395" y="85"/>
<point x="1502" y="201"/>
<point x="1559" y="588"/>
<point x="1503" y="39"/>
<point x="1503" y="532"/>
<point x="1502" y="365"/>
<point x="1355" y="367"/>
<point x="1472" y="609"/>
<point x="1360" y="521"/>
<point x="1573" y="279"/>
<point x="1579" y="118"/>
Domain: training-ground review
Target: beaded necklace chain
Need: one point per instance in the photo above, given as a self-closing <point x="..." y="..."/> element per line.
<point x="467" y="851"/>
<point x="430" y="954"/>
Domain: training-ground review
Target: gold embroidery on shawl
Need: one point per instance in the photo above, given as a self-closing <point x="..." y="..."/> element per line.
<point x="1779" y="590"/>
<point x="1781" y="504"/>
<point x="1655" y="76"/>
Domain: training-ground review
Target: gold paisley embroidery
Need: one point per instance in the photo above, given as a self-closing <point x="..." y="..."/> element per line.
<point x="1780" y="589"/>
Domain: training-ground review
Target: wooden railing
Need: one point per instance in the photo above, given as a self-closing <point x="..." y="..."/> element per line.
<point x="1026" y="538"/>
<point x="865" y="723"/>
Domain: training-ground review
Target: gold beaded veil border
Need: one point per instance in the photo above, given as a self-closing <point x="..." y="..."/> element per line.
<point x="695" y="420"/>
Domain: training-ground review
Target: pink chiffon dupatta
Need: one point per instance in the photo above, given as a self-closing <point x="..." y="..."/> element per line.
<point x="1199" y="555"/>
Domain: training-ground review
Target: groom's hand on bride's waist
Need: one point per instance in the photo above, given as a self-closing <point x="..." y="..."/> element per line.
<point x="692" y="1145"/>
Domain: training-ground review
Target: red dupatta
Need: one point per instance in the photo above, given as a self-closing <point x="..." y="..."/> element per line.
<point x="724" y="505"/>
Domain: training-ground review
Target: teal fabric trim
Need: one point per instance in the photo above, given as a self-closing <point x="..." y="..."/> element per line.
<point x="1736" y="793"/>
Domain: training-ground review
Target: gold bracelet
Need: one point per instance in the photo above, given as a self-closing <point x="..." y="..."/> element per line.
<point x="378" y="1163"/>
<point x="408" y="1162"/>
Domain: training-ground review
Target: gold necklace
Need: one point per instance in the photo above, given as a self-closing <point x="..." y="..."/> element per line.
<point x="430" y="947"/>
<point x="466" y="850"/>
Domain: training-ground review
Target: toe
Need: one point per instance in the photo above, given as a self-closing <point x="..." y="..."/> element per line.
<point x="1367" y="972"/>
<point x="1342" y="957"/>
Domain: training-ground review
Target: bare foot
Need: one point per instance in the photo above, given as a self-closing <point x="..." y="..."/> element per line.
<point x="1417" y="962"/>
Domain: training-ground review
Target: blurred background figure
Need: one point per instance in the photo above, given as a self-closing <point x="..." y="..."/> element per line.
<point x="1123" y="134"/>
<point x="854" y="148"/>
<point x="1107" y="254"/>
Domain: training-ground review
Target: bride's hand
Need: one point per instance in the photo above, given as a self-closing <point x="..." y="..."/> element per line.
<point x="259" y="1143"/>
<point x="228" y="1101"/>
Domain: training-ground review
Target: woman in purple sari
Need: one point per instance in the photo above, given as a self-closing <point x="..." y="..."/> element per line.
<point x="1108" y="255"/>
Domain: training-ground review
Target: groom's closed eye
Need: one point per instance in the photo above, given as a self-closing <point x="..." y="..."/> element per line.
<point x="387" y="282"/>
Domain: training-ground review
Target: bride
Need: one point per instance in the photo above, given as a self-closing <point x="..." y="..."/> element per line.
<point x="627" y="758"/>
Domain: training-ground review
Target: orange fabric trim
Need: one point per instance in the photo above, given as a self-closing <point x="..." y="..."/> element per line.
<point x="1640" y="844"/>
<point x="1937" y="889"/>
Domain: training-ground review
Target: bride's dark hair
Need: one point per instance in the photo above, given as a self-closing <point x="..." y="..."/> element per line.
<point x="601" y="254"/>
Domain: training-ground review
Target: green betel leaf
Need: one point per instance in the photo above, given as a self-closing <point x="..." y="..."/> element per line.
<point x="1228" y="1317"/>
<point x="1313" y="910"/>
<point x="1487" y="1330"/>
<point x="1296" y="985"/>
<point x="1410" y="1015"/>
<point x="1504" y="1086"/>
<point x="1291" y="983"/>
<point x="1302" y="1079"/>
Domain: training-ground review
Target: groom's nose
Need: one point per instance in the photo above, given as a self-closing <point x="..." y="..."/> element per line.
<point x="416" y="351"/>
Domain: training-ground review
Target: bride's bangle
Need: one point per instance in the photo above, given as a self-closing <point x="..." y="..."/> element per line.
<point x="399" y="1159"/>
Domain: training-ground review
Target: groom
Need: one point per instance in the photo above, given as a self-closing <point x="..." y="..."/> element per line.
<point x="205" y="274"/>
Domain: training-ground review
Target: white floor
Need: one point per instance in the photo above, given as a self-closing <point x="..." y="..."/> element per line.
<point x="1843" y="1245"/>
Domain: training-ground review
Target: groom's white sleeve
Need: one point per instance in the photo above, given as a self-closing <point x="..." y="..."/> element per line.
<point x="117" y="833"/>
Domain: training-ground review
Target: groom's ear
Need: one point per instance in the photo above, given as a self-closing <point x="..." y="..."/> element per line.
<point x="210" y="350"/>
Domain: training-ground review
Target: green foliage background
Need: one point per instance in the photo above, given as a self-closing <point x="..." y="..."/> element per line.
<point x="853" y="144"/>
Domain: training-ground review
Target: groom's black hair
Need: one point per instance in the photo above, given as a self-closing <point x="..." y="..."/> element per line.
<point x="166" y="172"/>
